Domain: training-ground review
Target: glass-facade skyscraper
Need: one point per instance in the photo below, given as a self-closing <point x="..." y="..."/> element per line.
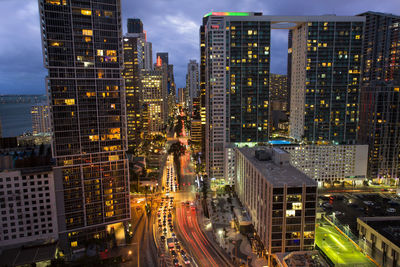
<point x="82" y="51"/>
<point x="325" y="80"/>
<point x="380" y="96"/>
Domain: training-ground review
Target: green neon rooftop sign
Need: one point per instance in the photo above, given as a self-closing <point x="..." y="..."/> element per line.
<point x="237" y="14"/>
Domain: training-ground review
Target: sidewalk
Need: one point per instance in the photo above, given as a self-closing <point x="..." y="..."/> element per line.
<point x="233" y="242"/>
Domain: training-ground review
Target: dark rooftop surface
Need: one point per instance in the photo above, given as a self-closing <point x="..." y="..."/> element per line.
<point x="388" y="227"/>
<point x="27" y="255"/>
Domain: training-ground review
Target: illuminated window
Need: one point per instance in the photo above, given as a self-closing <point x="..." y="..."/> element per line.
<point x="396" y="89"/>
<point x="86" y="12"/>
<point x="108" y="14"/>
<point x="68" y="162"/>
<point x="87" y="32"/>
<point x="93" y="137"/>
<point x="74" y="244"/>
<point x="296" y="206"/>
<point x="100" y="74"/>
<point x="57" y="2"/>
<point x="99" y="52"/>
<point x="64" y="102"/>
<point x="88" y="39"/>
<point x="290" y="213"/>
<point x="90" y="94"/>
<point x="357" y="37"/>
<point x="54" y="43"/>
<point x="113" y="158"/>
<point x="111" y="53"/>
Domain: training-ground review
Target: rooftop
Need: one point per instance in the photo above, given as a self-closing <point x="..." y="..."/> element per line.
<point x="301" y="258"/>
<point x="276" y="173"/>
<point x="388" y="226"/>
<point x="26" y="255"/>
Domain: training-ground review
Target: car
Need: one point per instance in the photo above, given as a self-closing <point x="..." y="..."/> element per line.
<point x="162" y="238"/>
<point x="176" y="262"/>
<point x="165" y="230"/>
<point x="177" y="247"/>
<point x="173" y="253"/>
<point x="183" y="253"/>
<point x="391" y="210"/>
<point x="186" y="260"/>
<point x="183" y="203"/>
<point x="176" y="241"/>
<point x="173" y="235"/>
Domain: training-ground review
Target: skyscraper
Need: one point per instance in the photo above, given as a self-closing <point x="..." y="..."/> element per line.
<point x="154" y="95"/>
<point x="135" y="25"/>
<point x="236" y="58"/>
<point x="40" y="119"/>
<point x="163" y="56"/>
<point x="202" y="86"/>
<point x="83" y="54"/>
<point x="380" y="96"/>
<point x="133" y="64"/>
<point x="192" y="81"/>
<point x="326" y="54"/>
<point x="325" y="79"/>
<point x="148" y="56"/>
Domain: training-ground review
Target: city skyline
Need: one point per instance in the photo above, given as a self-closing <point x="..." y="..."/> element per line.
<point x="179" y="19"/>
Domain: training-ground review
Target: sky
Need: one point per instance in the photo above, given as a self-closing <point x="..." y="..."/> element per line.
<point x="172" y="26"/>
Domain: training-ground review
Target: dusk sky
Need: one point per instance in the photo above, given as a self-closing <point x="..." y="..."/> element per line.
<point x="172" y="26"/>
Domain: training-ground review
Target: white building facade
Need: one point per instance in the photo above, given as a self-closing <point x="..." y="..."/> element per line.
<point x="27" y="206"/>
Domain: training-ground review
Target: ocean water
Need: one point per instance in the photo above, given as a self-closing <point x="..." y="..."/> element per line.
<point x="15" y="113"/>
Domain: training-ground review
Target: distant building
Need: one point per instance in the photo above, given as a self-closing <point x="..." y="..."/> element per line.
<point x="135" y="26"/>
<point x="192" y="81"/>
<point x="181" y="96"/>
<point x="148" y="56"/>
<point x="154" y="84"/>
<point x="40" y="119"/>
<point x="280" y="199"/>
<point x="380" y="238"/>
<point x="163" y="56"/>
<point x="278" y="89"/>
<point x="133" y="45"/>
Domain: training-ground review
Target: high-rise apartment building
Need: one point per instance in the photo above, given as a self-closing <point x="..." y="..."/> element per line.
<point x="380" y="96"/>
<point x="236" y="83"/>
<point x="135" y="25"/>
<point x="181" y="96"/>
<point x="82" y="48"/>
<point x="40" y="119"/>
<point x="278" y="87"/>
<point x="148" y="56"/>
<point x="325" y="79"/>
<point x="162" y="59"/>
<point x="192" y="81"/>
<point x="154" y="84"/>
<point x="133" y="64"/>
<point x="202" y="85"/>
<point x="280" y="199"/>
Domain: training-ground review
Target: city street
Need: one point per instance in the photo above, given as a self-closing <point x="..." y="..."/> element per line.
<point x="142" y="249"/>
